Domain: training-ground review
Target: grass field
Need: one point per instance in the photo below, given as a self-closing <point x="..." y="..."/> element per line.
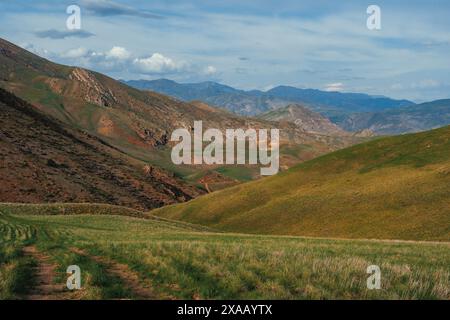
<point x="390" y="188"/>
<point x="174" y="260"/>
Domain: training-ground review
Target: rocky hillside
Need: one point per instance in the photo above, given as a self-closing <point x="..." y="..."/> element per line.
<point x="305" y="118"/>
<point x="139" y="123"/>
<point x="44" y="160"/>
<point x="107" y="107"/>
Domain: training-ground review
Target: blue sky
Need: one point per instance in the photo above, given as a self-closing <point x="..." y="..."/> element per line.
<point x="248" y="44"/>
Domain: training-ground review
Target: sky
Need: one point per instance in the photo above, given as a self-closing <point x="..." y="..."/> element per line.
<point x="248" y="44"/>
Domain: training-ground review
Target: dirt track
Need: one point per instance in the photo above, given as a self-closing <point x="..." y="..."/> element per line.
<point x="44" y="288"/>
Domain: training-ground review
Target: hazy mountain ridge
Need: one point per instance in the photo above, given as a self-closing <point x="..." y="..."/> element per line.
<point x="351" y="111"/>
<point x="334" y="105"/>
<point x="415" y="118"/>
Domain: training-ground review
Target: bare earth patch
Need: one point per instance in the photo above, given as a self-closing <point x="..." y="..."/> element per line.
<point x="44" y="288"/>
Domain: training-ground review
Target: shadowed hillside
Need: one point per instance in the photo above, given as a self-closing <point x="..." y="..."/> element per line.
<point x="390" y="188"/>
<point x="43" y="160"/>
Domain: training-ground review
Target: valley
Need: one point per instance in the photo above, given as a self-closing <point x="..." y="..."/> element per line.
<point x="89" y="179"/>
<point x="139" y="123"/>
<point x="388" y="188"/>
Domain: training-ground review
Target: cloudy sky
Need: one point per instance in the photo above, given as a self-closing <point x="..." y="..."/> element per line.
<point x="249" y="44"/>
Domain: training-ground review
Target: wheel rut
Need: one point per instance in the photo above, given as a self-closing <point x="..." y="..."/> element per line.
<point x="44" y="272"/>
<point x="141" y="290"/>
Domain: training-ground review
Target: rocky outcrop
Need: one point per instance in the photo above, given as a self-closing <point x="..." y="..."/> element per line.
<point x="93" y="91"/>
<point x="305" y="119"/>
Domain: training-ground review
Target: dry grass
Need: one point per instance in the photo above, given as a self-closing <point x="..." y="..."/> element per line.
<point x="181" y="263"/>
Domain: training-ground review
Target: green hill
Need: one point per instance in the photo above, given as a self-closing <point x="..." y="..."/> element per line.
<point x="390" y="188"/>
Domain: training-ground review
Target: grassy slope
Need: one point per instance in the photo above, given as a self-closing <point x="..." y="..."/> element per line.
<point x="182" y="263"/>
<point x="390" y="188"/>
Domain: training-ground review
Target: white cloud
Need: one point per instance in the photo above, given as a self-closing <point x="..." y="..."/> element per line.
<point x="278" y="44"/>
<point x="338" y="86"/>
<point x="422" y="84"/>
<point x="115" y="53"/>
<point x="157" y="64"/>
<point x="39" y="51"/>
<point x="426" y="83"/>
<point x="397" y="86"/>
<point x="210" y="70"/>
<point x="268" y="87"/>
<point x="119" y="60"/>
<point x="115" y="59"/>
<point x="118" y="53"/>
<point x="75" y="53"/>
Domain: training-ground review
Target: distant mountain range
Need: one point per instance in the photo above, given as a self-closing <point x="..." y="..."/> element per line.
<point x="333" y="105"/>
<point x="351" y="111"/>
<point x="413" y="118"/>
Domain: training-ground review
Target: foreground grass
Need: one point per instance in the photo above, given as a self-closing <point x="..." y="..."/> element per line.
<point x="182" y="263"/>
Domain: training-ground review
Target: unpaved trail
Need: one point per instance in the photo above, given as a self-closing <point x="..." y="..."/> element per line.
<point x="129" y="278"/>
<point x="45" y="272"/>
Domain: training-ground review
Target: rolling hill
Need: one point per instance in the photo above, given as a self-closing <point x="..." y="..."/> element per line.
<point x="390" y="188"/>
